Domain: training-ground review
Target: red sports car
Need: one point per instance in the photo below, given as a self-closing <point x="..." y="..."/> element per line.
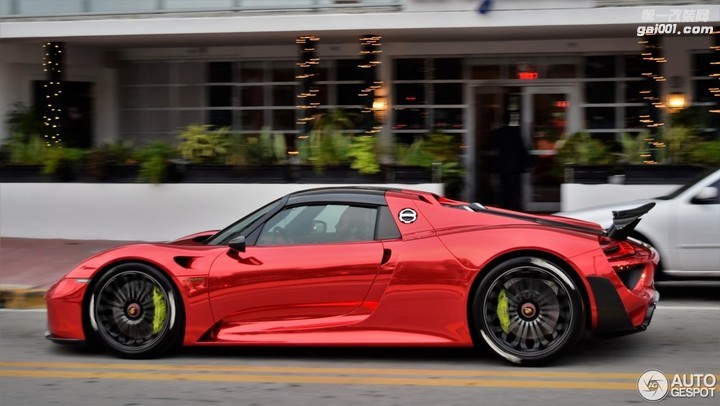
<point x="366" y="267"/>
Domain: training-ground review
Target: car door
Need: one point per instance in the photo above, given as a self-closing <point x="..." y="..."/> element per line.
<point x="298" y="268"/>
<point x="698" y="225"/>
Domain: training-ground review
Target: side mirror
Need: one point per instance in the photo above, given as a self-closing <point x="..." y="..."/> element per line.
<point x="708" y="195"/>
<point x="237" y="244"/>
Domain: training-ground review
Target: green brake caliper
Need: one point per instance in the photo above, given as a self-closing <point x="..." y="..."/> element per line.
<point x="160" y="310"/>
<point x="502" y="312"/>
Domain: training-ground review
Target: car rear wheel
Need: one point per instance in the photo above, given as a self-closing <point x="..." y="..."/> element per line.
<point x="135" y="311"/>
<point x="528" y="311"/>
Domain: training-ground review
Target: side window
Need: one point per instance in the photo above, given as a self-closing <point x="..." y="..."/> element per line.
<point x="275" y="230"/>
<point x="387" y="228"/>
<point x="356" y="224"/>
<point x="319" y="224"/>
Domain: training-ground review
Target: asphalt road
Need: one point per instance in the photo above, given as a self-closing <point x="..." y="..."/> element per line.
<point x="684" y="337"/>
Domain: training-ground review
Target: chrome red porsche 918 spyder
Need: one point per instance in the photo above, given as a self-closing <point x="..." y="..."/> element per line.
<point x="360" y="266"/>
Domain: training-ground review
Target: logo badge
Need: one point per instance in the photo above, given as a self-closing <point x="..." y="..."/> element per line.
<point x="407" y="216"/>
<point x="653" y="385"/>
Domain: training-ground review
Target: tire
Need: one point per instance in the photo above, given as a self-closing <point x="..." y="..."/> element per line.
<point x="135" y="311"/>
<point x="528" y="311"/>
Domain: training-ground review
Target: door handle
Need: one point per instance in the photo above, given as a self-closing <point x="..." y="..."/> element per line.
<point x="386" y="256"/>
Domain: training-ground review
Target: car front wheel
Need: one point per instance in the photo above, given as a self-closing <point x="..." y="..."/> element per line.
<point x="528" y="311"/>
<point x="135" y="311"/>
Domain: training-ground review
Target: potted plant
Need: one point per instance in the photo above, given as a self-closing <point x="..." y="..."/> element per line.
<point x="267" y="150"/>
<point x="362" y="153"/>
<point x="203" y="152"/>
<point x="434" y="157"/>
<point x="24" y="120"/>
<point x="63" y="164"/>
<point x="585" y="159"/>
<point x="328" y="143"/>
<point x="154" y="161"/>
<point x="22" y="159"/>
<point x="668" y="157"/>
<point x="115" y="162"/>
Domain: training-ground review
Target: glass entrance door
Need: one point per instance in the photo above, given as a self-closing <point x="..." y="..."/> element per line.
<point x="549" y="114"/>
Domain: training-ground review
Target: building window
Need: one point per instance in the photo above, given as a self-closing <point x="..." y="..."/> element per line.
<point x="428" y="94"/>
<point x="158" y="99"/>
<point x="612" y="104"/>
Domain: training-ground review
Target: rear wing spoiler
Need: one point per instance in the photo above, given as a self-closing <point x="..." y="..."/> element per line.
<point x="624" y="221"/>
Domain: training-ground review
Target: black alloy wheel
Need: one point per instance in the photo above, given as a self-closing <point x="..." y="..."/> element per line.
<point x="135" y="311"/>
<point x="528" y="310"/>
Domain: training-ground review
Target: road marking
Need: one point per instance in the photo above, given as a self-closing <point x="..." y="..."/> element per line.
<point x="322" y="370"/>
<point x="319" y="375"/>
<point x="3" y="310"/>
<point x="308" y="379"/>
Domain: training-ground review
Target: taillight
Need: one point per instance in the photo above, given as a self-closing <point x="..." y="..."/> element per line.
<point x="628" y="260"/>
<point x="617" y="250"/>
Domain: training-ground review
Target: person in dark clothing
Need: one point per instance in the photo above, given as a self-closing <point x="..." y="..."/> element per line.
<point x="511" y="161"/>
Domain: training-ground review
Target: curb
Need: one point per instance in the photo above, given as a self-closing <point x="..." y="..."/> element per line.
<point x="22" y="298"/>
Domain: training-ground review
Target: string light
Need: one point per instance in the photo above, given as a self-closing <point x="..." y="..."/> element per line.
<point x="370" y="60"/>
<point x="52" y="113"/>
<point x="714" y="86"/>
<point x="307" y="75"/>
<point x="651" y="59"/>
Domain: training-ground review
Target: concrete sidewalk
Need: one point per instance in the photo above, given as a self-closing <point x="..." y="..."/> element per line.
<point x="28" y="267"/>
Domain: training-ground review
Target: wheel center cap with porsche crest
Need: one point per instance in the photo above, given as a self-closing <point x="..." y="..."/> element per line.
<point x="528" y="310"/>
<point x="407" y="216"/>
<point x="133" y="310"/>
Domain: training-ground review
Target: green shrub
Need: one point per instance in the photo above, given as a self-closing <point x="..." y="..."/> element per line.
<point x="582" y="149"/>
<point x="706" y="153"/>
<point x="328" y="143"/>
<point x="363" y="154"/>
<point x="200" y="144"/>
<point x="154" y="160"/>
<point x="24" y="150"/>
<point x="58" y="157"/>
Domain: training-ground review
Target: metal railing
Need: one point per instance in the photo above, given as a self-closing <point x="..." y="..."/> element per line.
<point x="90" y="8"/>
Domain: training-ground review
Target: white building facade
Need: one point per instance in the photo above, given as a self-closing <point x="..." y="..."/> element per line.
<point x="141" y="70"/>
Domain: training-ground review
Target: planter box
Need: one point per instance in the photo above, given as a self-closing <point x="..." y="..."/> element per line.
<point x="631" y="174"/>
<point x="660" y="174"/>
<point x="199" y="173"/>
<point x="406" y="174"/>
<point x="332" y="174"/>
<point x="23" y="173"/>
<point x="124" y="173"/>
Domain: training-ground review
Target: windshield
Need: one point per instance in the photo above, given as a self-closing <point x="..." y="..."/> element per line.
<point x="223" y="237"/>
<point x="677" y="192"/>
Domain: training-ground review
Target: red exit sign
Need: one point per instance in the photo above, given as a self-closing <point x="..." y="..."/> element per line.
<point x="527" y="75"/>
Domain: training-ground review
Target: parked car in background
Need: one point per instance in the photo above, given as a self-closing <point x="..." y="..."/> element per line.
<point x="684" y="226"/>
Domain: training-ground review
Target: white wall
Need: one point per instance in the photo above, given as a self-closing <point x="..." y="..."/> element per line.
<point x="134" y="212"/>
